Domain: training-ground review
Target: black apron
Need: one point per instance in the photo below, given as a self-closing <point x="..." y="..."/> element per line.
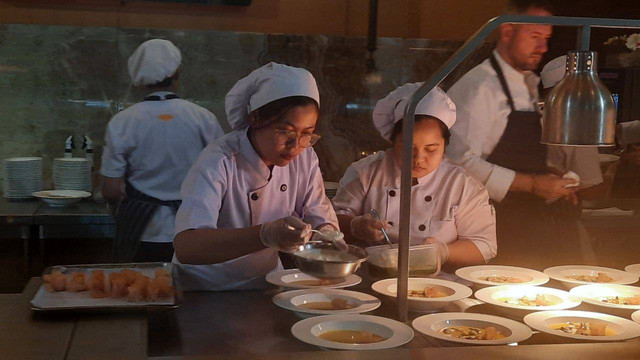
<point x="530" y="233"/>
<point x="135" y="211"/>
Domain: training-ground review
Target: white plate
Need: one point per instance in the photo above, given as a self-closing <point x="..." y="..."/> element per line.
<point x="529" y="277"/>
<point x="21" y="159"/>
<point x="492" y="295"/>
<point x="625" y="329"/>
<point x="633" y="269"/>
<point x="560" y="274"/>
<point x="291" y="300"/>
<point x="286" y="278"/>
<point x="396" y="333"/>
<point x="594" y="293"/>
<point x="455" y="291"/>
<point x="60" y="198"/>
<point x="431" y="325"/>
<point x="636" y="316"/>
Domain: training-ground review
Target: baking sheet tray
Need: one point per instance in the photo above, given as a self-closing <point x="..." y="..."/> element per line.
<point x="81" y="301"/>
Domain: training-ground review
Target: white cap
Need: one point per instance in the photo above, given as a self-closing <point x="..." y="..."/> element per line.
<point x="269" y="83"/>
<point x="391" y="109"/>
<point x="153" y="61"/>
<point x="553" y="71"/>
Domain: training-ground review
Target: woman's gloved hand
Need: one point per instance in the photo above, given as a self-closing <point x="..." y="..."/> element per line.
<point x="331" y="234"/>
<point x="366" y="227"/>
<point x="285" y="234"/>
<point x="443" y="249"/>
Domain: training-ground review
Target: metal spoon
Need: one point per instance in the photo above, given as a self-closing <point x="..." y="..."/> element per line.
<point x="375" y="214"/>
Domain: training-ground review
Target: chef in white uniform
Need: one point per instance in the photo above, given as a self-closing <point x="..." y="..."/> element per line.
<point x="447" y="205"/>
<point x="150" y="146"/>
<point x="258" y="189"/>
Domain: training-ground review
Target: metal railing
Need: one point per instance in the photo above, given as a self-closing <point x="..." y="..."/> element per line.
<point x="584" y="34"/>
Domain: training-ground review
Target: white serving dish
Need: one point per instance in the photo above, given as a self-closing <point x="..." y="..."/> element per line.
<point x="454" y="290"/>
<point x="432" y="324"/>
<point x="395" y="332"/>
<point x="541" y="321"/>
<point x="560" y="274"/>
<point x="61" y="198"/>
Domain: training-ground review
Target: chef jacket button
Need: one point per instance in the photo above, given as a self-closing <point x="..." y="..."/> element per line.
<point x="422" y="227"/>
<point x="392" y="193"/>
<point x="254" y="196"/>
<point x="283" y="187"/>
<point x="428" y="198"/>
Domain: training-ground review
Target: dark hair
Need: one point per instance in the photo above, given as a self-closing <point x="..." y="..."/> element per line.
<point x="521" y="6"/>
<point x="277" y="109"/>
<point x="446" y="134"/>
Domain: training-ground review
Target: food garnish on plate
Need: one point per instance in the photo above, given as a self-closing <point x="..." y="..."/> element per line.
<point x="600" y="278"/>
<point x="351" y="337"/>
<point x="588" y="328"/>
<point x="501" y="279"/>
<point x="335" y="304"/>
<point x="539" y="300"/>
<point x="621" y="300"/>
<point x="472" y="333"/>
<point x="428" y="292"/>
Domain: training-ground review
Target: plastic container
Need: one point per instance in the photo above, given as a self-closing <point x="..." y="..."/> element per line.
<point x="424" y="261"/>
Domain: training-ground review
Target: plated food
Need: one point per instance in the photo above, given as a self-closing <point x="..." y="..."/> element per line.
<point x="471" y="328"/>
<point x="527" y="298"/>
<point x="106" y="286"/>
<point x="352" y="332"/>
<point x="425" y="294"/>
<point x="492" y="275"/>
<point x="312" y="302"/>
<point x="583" y="325"/>
<point x="295" y="279"/>
<point x="575" y="275"/>
<point x="609" y="295"/>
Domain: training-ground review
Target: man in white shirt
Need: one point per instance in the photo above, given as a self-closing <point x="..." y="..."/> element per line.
<point x="149" y="147"/>
<point x="497" y="136"/>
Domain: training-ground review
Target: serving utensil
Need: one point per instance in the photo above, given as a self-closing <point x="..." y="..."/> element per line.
<point x="375" y="214"/>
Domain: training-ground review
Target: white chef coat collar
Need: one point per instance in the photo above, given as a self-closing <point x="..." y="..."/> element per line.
<point x="161" y="94"/>
<point x="512" y="75"/>
<point x="252" y="156"/>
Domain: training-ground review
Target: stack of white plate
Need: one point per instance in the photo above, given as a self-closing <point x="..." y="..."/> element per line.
<point x="71" y="174"/>
<point x="22" y="176"/>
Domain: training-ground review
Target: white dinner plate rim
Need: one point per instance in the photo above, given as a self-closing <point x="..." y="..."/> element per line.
<point x="540" y="278"/>
<point x="553" y="273"/>
<point x="536" y="321"/>
<point x="283" y="300"/>
<point x="519" y="331"/>
<point x="72" y="194"/>
<point x="302" y="331"/>
<point x="576" y="290"/>
<point x="460" y="291"/>
<point x="633" y="269"/>
<point x="275" y="278"/>
<point x="569" y="301"/>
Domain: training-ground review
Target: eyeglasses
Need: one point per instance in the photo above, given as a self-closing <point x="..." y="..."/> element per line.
<point x="292" y="138"/>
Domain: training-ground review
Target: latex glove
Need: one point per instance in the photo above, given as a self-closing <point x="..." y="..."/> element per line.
<point x="285" y="234"/>
<point x="331" y="233"/>
<point x="549" y="186"/>
<point x="367" y="228"/>
<point x="443" y="249"/>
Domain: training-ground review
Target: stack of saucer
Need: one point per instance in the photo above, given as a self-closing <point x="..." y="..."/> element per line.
<point x="22" y="177"/>
<point x="71" y="174"/>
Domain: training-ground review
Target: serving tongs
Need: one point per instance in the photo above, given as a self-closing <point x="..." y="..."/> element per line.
<point x="375" y="214"/>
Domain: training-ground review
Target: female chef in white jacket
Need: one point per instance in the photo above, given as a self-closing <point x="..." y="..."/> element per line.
<point x="447" y="205"/>
<point x="256" y="190"/>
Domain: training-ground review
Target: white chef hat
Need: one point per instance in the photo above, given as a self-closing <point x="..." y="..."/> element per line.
<point x="391" y="109"/>
<point x="153" y="61"/>
<point x="269" y="83"/>
<point x="553" y="71"/>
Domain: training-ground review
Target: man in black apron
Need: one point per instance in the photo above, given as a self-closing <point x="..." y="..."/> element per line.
<point x="512" y="162"/>
<point x="149" y="147"/>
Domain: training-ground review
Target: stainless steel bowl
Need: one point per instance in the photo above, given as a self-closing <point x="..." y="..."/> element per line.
<point x="335" y="265"/>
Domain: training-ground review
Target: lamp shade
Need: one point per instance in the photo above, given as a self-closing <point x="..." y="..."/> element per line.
<point x="579" y="111"/>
